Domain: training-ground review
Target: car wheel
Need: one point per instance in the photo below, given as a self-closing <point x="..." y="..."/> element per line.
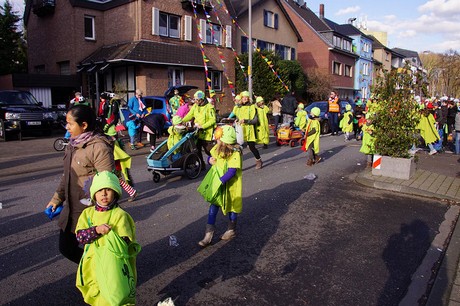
<point x="156" y="177"/>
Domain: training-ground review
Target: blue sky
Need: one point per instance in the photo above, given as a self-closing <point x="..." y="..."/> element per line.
<point x="418" y="25"/>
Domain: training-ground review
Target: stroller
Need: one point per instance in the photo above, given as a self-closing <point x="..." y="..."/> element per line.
<point x="183" y="156"/>
<point x="288" y="136"/>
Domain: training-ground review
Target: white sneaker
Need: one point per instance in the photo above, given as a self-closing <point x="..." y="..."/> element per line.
<point x="412" y="152"/>
<point x="433" y="152"/>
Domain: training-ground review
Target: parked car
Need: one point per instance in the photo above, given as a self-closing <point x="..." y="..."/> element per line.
<point x="21" y="113"/>
<point x="325" y="128"/>
<point x="160" y="104"/>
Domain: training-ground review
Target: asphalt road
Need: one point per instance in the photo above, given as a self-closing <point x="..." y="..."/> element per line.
<point x="300" y="242"/>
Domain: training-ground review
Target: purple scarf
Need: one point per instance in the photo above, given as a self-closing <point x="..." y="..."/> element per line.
<point x="83" y="137"/>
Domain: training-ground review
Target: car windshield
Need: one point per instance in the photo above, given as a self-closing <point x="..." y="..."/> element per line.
<point x="17" y="98"/>
<point x="321" y="105"/>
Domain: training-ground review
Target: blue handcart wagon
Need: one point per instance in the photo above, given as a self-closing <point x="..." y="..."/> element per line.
<point x="183" y="156"/>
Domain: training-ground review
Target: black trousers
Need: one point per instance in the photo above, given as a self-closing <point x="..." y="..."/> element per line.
<point x="252" y="147"/>
<point x="68" y="246"/>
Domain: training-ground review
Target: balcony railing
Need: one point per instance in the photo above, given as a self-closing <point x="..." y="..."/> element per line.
<point x="187" y="4"/>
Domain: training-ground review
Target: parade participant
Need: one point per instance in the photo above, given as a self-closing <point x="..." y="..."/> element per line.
<point x="368" y="144"/>
<point x="79" y="99"/>
<point x="176" y="132"/>
<point x="88" y="152"/>
<point x="333" y="111"/>
<point x="427" y="127"/>
<point x="347" y="122"/>
<point x="288" y="107"/>
<point x="226" y="154"/>
<point x="205" y="120"/>
<point x="262" y="128"/>
<point x="136" y="106"/>
<point x="133" y="126"/>
<point x="457" y="129"/>
<point x="276" y="111"/>
<point x="246" y="115"/>
<point x="184" y="109"/>
<point x="301" y="117"/>
<point x="109" y="113"/>
<point x="312" y="133"/>
<point x="154" y="124"/>
<point x="93" y="225"/>
<point x="175" y="102"/>
<point x="358" y="114"/>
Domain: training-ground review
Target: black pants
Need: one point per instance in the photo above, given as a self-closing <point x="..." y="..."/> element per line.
<point x="206" y="146"/>
<point x="68" y="246"/>
<point x="252" y="147"/>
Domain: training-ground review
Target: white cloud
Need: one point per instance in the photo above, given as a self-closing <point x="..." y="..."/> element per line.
<point x="444" y="8"/>
<point x="348" y="10"/>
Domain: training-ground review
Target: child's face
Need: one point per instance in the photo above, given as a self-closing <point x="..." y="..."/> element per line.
<point x="105" y="196"/>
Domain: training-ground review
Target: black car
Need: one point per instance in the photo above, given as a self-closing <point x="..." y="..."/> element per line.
<point x="21" y="113"/>
<point x="322" y="105"/>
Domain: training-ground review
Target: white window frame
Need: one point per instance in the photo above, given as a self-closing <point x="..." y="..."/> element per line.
<point x="365" y="68"/>
<point x="167" y="31"/>
<point x="270" y="19"/>
<point x="270" y="46"/>
<point x="188" y="28"/>
<point x="175" y="74"/>
<point x="339" y="65"/>
<point x="206" y="33"/>
<point x="348" y="71"/>
<point x="93" y="30"/>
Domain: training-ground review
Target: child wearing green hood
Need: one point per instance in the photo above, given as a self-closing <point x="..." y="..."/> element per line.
<point x="93" y="225"/>
<point x="226" y="155"/>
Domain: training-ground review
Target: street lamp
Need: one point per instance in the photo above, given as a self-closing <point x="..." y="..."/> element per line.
<point x="250" y="51"/>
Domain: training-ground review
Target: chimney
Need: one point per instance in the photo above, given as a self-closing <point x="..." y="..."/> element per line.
<point x="321" y="11"/>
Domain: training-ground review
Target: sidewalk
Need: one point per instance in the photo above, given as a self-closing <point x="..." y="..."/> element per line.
<point x="437" y="176"/>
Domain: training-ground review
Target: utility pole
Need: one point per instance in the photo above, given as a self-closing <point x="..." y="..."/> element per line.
<point x="250" y="52"/>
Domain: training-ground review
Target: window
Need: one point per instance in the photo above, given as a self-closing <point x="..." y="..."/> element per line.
<point x="348" y="70"/>
<point x="366" y="47"/>
<point x="387" y="56"/>
<point x="175" y="77"/>
<point x="64" y="67"/>
<point x="39" y="69"/>
<point x="365" y="68"/>
<point x="337" y="41"/>
<point x="169" y="25"/>
<point x="336" y="68"/>
<point x="270" y="19"/>
<point x="213" y="34"/>
<point x="90" y="33"/>
<point x="244" y="44"/>
<point x="347" y="45"/>
<point x="216" y="80"/>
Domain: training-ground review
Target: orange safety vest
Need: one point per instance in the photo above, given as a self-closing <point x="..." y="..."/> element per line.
<point x="334" y="105"/>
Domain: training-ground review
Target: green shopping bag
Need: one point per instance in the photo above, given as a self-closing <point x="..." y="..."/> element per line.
<point x="211" y="186"/>
<point x="115" y="269"/>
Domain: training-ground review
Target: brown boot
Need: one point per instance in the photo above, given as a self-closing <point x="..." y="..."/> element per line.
<point x="208" y="234"/>
<point x="259" y="163"/>
<point x="317" y="159"/>
<point x="230" y="233"/>
<point x="310" y="162"/>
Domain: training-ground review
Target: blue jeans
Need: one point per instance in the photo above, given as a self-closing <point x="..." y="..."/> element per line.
<point x="457" y="142"/>
<point x="333" y="119"/>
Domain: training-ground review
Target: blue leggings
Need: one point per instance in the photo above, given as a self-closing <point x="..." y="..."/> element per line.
<point x="214" y="209"/>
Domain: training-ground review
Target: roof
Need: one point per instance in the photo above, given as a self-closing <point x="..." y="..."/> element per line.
<point x="147" y="52"/>
<point x="376" y="44"/>
<point x="238" y="7"/>
<point x="406" y="53"/>
<point x="309" y="16"/>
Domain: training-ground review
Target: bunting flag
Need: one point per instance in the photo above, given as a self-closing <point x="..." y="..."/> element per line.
<point x="254" y="46"/>
<point x="205" y="59"/>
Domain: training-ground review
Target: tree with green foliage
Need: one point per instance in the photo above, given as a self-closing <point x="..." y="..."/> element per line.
<point x="396" y="115"/>
<point x="265" y="82"/>
<point x="12" y="45"/>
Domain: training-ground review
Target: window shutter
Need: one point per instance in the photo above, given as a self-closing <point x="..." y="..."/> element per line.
<point x="265" y="18"/>
<point x="228" y="36"/>
<point x="188" y="28"/>
<point x="292" y="54"/>
<point x="276" y="21"/>
<point x="155" y="21"/>
<point x="203" y="30"/>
